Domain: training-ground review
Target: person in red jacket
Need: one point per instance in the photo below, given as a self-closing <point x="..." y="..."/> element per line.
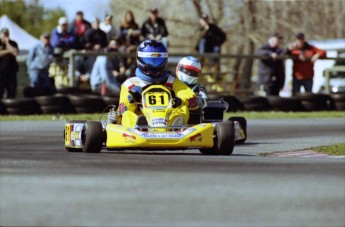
<point x="303" y="63"/>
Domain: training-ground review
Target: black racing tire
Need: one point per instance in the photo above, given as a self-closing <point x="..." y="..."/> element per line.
<point x="256" y="103"/>
<point x="243" y="123"/>
<point x="224" y="139"/>
<point x="55" y="104"/>
<point x="111" y="100"/>
<point x="214" y="96"/>
<point x="338" y="101"/>
<point x="70" y="149"/>
<point x="30" y="92"/>
<point x="285" y="103"/>
<point x="234" y="103"/>
<point x="53" y="110"/>
<point x="2" y="108"/>
<point x="92" y="137"/>
<point x="87" y="103"/>
<point x="73" y="90"/>
<point x="21" y="106"/>
<point x="314" y="102"/>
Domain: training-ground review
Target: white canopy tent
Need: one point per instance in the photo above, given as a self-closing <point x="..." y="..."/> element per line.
<point x="24" y="39"/>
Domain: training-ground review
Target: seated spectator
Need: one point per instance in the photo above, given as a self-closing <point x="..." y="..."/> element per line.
<point x="39" y="59"/>
<point x="78" y="28"/>
<point x="8" y="64"/>
<point x="95" y="35"/>
<point x="129" y="30"/>
<point x="61" y="38"/>
<point x="108" y="27"/>
<point x="271" y="69"/>
<point x="108" y="72"/>
<point x="154" y="28"/>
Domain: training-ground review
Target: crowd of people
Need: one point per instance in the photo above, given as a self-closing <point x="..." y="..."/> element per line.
<point x="105" y="73"/>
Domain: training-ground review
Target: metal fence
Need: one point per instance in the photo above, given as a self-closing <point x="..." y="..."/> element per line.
<point x="226" y="74"/>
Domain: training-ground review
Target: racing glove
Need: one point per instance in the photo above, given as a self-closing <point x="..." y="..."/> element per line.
<point x="134" y="94"/>
<point x="176" y="101"/>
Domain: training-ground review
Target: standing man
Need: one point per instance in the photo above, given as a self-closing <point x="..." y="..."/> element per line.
<point x="303" y="63"/>
<point x="271" y="69"/>
<point x="212" y="37"/>
<point x="38" y="62"/>
<point x="154" y="28"/>
<point x="8" y="64"/>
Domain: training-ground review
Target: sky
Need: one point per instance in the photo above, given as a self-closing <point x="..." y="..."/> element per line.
<point x="91" y="8"/>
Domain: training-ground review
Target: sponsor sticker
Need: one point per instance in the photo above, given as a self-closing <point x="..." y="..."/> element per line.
<point x="129" y="138"/>
<point x="162" y="135"/>
<point x="195" y="138"/>
<point x="159" y="121"/>
<point x="193" y="102"/>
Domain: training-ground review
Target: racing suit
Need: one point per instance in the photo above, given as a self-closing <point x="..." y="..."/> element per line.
<point x="130" y="111"/>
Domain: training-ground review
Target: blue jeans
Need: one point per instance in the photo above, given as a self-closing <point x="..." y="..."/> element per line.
<point x="39" y="78"/>
<point x="297" y="84"/>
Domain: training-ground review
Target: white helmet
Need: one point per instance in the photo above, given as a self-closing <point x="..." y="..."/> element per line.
<point x="188" y="70"/>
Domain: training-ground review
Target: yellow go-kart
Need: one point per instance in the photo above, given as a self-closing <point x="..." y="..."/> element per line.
<point x="157" y="102"/>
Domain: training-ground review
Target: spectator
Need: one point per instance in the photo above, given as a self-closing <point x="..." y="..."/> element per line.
<point x="95" y="36"/>
<point x="78" y="28"/>
<point x="8" y="64"/>
<point x="303" y="63"/>
<point x="271" y="69"/>
<point x="83" y="67"/>
<point x="61" y="38"/>
<point x="39" y="59"/>
<point x="129" y="30"/>
<point x="107" y="72"/>
<point x="212" y="37"/>
<point x="154" y="28"/>
<point x="108" y="27"/>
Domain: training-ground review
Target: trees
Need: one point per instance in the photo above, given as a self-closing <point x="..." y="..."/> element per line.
<point x="31" y="16"/>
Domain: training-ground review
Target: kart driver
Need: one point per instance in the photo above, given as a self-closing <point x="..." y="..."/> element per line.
<point x="152" y="59"/>
<point x="188" y="70"/>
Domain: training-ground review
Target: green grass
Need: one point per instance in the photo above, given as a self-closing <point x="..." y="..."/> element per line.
<point x="248" y="115"/>
<point x="337" y="149"/>
<point x="277" y="115"/>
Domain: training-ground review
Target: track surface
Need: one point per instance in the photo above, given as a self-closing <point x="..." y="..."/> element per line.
<point x="41" y="184"/>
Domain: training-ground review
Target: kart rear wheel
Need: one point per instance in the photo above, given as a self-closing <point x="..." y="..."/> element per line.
<point x="243" y="123"/>
<point x="224" y="139"/>
<point x="92" y="137"/>
<point x="71" y="149"/>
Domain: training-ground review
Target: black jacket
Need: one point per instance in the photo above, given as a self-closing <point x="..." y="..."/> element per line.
<point x="269" y="68"/>
<point x="214" y="36"/>
<point x="93" y="36"/>
<point x="149" y="28"/>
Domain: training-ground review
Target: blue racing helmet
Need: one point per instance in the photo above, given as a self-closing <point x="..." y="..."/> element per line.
<point x="152" y="60"/>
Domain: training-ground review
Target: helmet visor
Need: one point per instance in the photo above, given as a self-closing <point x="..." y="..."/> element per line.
<point x="153" y="59"/>
<point x="190" y="71"/>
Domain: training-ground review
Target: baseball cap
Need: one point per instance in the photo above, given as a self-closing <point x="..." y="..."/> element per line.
<point x="46" y="34"/>
<point x="62" y="20"/>
<point x="5" y="30"/>
<point x="154" y="10"/>
<point x="204" y="16"/>
<point x="300" y="35"/>
<point x="278" y="35"/>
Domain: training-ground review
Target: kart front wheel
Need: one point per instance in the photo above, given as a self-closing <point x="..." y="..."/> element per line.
<point x="72" y="149"/>
<point x="243" y="123"/>
<point x="224" y="139"/>
<point x="92" y="137"/>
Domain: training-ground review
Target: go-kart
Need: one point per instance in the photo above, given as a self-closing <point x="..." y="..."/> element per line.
<point x="214" y="112"/>
<point x="212" y="138"/>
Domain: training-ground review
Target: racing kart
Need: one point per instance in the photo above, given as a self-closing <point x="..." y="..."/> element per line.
<point x="212" y="138"/>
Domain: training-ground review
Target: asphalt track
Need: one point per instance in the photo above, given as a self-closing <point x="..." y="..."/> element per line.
<point x="43" y="185"/>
